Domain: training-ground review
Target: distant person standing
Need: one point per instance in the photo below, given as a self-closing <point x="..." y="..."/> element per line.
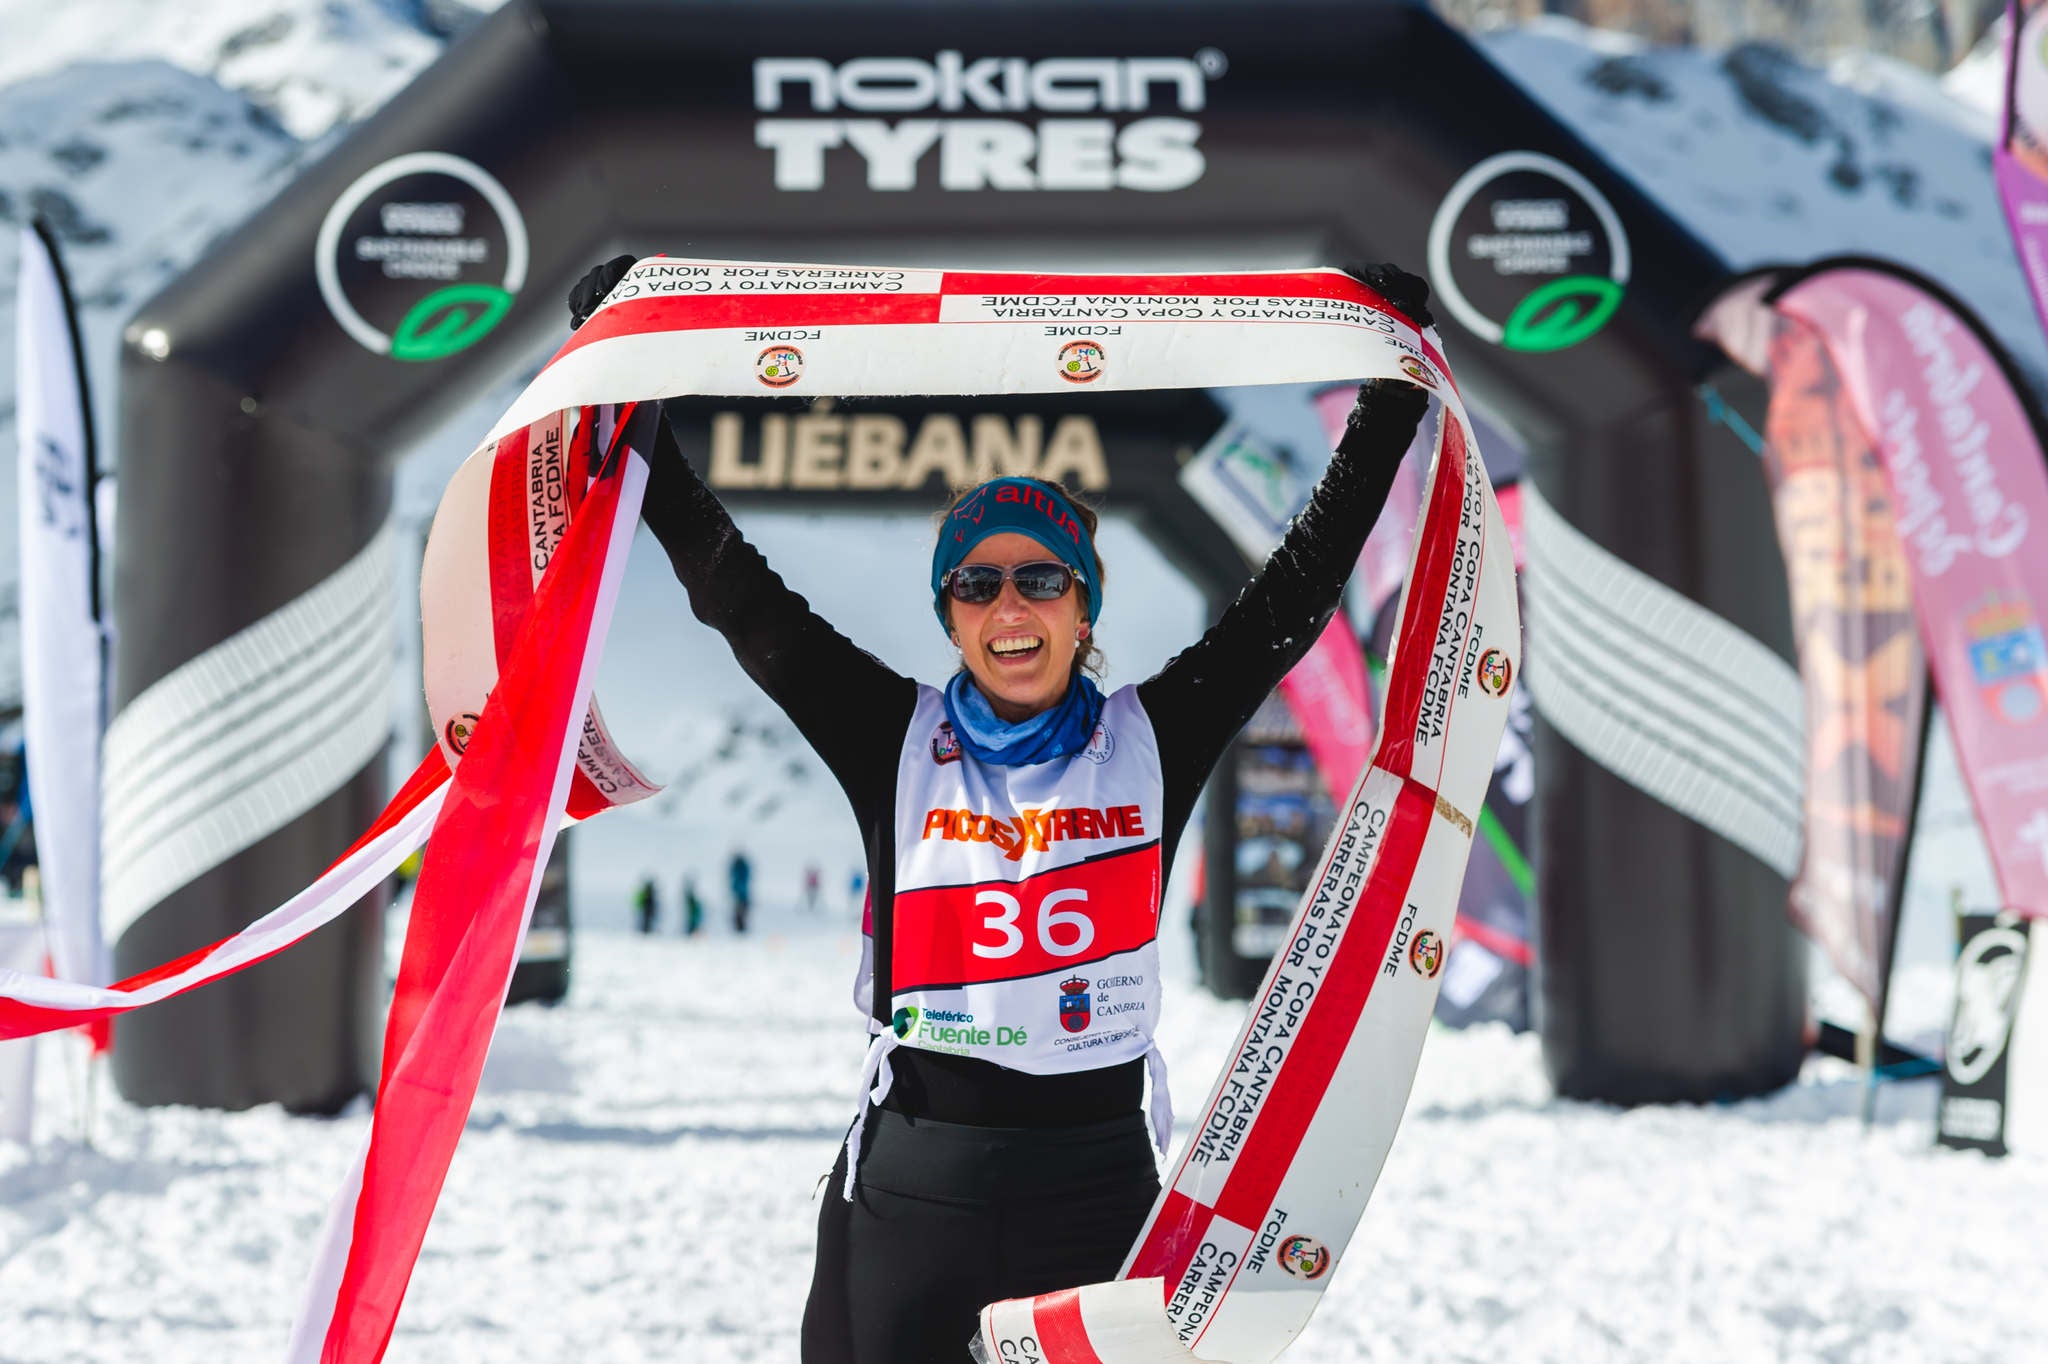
<point x="646" y="904"/>
<point x="811" y="888"/>
<point x="741" y="874"/>
<point x="693" y="908"/>
<point x="857" y="889"/>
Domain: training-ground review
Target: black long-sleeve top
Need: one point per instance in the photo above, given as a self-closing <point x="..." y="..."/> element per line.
<point x="1197" y="703"/>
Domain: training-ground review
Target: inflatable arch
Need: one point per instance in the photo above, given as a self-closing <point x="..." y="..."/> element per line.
<point x="265" y="394"/>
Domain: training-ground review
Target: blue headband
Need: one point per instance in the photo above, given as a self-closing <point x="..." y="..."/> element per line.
<point x="1020" y="506"/>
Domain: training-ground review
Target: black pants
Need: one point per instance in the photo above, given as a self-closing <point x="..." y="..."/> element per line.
<point x="946" y="1219"/>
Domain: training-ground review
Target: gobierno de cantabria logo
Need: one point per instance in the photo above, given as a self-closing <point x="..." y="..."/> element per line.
<point x="421" y="256"/>
<point x="1526" y="253"/>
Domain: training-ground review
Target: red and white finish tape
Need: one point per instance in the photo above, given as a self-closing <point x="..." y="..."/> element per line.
<point x="499" y="523"/>
<point x="38" y="1004"/>
<point x="1285" y="1152"/>
<point x="1302" y="1115"/>
<point x="725" y="328"/>
<point x="476" y="892"/>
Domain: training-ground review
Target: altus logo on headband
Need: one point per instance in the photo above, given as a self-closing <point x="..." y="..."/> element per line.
<point x="976" y="150"/>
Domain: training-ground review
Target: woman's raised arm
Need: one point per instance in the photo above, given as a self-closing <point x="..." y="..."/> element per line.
<point x="1206" y="694"/>
<point x="849" y="705"/>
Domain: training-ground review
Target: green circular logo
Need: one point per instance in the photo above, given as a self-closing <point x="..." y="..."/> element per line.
<point x="905" y="1022"/>
<point x="1526" y="253"/>
<point x="420" y="257"/>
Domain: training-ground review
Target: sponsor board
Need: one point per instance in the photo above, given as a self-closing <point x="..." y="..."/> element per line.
<point x="1252" y="487"/>
<point x="1283" y="816"/>
<point x="961" y="133"/>
<point x="1991" y="973"/>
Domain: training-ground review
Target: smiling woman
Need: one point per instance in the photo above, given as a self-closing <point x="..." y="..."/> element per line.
<point x="1024" y="633"/>
<point x="1016" y="824"/>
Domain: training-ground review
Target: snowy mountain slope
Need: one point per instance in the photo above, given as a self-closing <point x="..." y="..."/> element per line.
<point x="313" y="65"/>
<point x="1769" y="161"/>
<point x="136" y="166"/>
<point x="145" y="130"/>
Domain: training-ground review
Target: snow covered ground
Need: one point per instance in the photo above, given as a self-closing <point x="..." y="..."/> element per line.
<point x="638" y="1184"/>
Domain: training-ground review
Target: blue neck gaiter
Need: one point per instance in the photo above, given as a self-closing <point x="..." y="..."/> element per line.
<point x="1058" y="732"/>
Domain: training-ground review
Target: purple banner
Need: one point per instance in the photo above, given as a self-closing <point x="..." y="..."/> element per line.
<point x="1860" y="661"/>
<point x="1970" y="495"/>
<point x="2019" y="163"/>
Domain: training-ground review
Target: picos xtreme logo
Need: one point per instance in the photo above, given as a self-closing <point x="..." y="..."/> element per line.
<point x="1034" y="830"/>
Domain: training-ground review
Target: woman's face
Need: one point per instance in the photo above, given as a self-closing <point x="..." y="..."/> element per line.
<point x="1019" y="652"/>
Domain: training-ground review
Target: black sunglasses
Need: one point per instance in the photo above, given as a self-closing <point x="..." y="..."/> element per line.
<point x="980" y="584"/>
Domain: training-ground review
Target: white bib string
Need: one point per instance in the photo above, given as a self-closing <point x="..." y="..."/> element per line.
<point x="876" y="1075"/>
<point x="1162" y="1100"/>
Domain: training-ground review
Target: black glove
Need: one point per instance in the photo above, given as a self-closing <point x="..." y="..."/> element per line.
<point x="1390" y="400"/>
<point x="1408" y="293"/>
<point x="1389" y="405"/>
<point x="591" y="289"/>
